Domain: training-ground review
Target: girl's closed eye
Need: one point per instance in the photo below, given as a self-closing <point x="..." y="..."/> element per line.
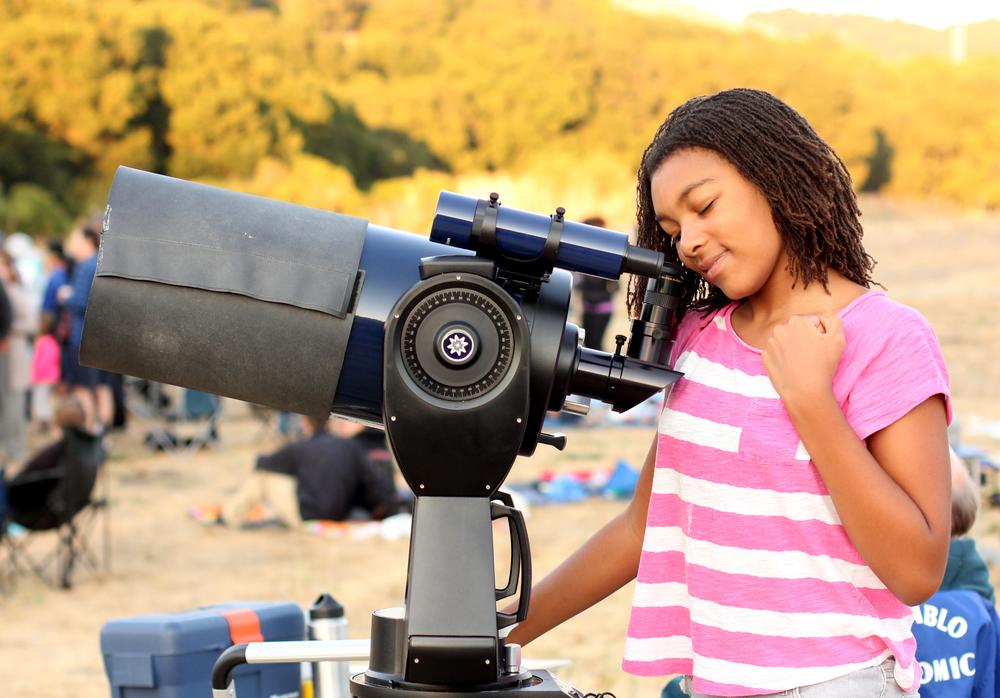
<point x="707" y="207"/>
<point x="672" y="235"/>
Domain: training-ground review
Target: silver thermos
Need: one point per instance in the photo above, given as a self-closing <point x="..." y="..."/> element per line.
<point x="327" y="622"/>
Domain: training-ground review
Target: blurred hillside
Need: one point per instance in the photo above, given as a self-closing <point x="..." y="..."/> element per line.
<point x="371" y="106"/>
<point x="891" y="40"/>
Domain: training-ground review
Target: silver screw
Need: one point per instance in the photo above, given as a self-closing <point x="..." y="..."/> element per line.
<point x="487" y="486"/>
<point x="392" y="418"/>
<point x="519" y="420"/>
<point x="416" y="660"/>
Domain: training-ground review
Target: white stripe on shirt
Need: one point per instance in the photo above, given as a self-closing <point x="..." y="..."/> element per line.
<point x="784" y="564"/>
<point x="734" y="673"/>
<point x="698" y="369"/>
<point x="748" y="501"/>
<point x="700" y="431"/>
<point x="770" y="623"/>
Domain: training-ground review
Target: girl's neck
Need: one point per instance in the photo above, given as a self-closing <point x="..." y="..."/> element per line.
<point x="777" y="303"/>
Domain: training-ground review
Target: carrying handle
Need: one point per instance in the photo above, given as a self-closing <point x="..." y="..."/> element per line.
<point x="520" y="559"/>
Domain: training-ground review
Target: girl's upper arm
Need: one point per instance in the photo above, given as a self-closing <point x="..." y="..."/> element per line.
<point x="639" y="505"/>
<point x="913" y="451"/>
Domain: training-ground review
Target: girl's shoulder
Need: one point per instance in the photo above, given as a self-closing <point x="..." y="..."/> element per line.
<point x="876" y="304"/>
<point x="876" y="320"/>
<point x="694" y="323"/>
<point x="892" y="361"/>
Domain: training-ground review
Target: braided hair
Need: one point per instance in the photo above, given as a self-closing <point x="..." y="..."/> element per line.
<point x="806" y="185"/>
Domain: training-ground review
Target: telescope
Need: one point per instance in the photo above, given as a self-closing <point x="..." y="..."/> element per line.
<point x="458" y="345"/>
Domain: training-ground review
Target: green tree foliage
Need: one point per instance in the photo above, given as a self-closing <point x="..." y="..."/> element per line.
<point x="27" y="156"/>
<point x="31" y="209"/>
<point x="369" y="154"/>
<point x="366" y="104"/>
<point x="879" y="164"/>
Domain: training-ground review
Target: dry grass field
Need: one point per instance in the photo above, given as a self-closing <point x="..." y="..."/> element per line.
<point x="163" y="561"/>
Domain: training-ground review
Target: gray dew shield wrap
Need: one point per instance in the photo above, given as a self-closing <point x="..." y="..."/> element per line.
<point x="223" y="292"/>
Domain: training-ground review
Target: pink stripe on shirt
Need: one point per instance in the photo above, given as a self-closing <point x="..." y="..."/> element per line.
<point x="702" y="462"/>
<point x="766" y="593"/>
<point x="751" y="532"/>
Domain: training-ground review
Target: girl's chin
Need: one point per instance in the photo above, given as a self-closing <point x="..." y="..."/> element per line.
<point x="733" y="292"/>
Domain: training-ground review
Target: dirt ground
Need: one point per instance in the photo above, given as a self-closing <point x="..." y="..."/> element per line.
<point x="163" y="561"/>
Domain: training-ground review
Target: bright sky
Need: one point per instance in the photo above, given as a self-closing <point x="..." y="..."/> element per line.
<point x="937" y="14"/>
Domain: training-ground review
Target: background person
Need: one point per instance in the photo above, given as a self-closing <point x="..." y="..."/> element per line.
<point x="596" y="296"/>
<point x="324" y="476"/>
<point x="957" y="629"/>
<point x="91" y="386"/>
<point x="15" y="360"/>
<point x="966" y="568"/>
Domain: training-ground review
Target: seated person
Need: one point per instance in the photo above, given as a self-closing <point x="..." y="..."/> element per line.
<point x="44" y="475"/>
<point x="324" y="476"/>
<point x="957" y="629"/>
<point x="71" y="419"/>
<point x="966" y="568"/>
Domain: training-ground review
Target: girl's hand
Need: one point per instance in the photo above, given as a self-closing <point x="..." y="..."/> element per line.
<point x="802" y="355"/>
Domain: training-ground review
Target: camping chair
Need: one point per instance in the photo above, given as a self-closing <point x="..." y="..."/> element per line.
<point x="267" y="421"/>
<point x="59" y="498"/>
<point x="200" y="409"/>
<point x="149" y="404"/>
<point x="7" y="569"/>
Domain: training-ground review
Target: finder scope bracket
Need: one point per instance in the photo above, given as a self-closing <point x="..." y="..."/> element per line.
<point x="519" y="275"/>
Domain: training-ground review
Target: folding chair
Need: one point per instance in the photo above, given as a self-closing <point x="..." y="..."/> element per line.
<point x="60" y="499"/>
<point x="267" y="422"/>
<point x="203" y="410"/>
<point x="153" y="407"/>
<point x="7" y="568"/>
<point x="149" y="404"/>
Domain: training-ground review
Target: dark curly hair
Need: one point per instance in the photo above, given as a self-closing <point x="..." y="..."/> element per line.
<point x="805" y="183"/>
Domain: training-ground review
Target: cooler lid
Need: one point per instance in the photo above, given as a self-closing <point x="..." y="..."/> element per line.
<point x="201" y="629"/>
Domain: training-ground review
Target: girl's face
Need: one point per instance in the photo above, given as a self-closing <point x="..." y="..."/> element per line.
<point x="719" y="222"/>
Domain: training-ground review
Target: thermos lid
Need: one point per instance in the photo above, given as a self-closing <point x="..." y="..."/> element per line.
<point x="325" y="607"/>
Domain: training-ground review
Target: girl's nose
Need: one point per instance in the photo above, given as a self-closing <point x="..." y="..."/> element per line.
<point x="689" y="241"/>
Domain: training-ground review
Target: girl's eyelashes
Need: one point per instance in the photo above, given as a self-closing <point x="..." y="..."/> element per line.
<point x="672" y="235"/>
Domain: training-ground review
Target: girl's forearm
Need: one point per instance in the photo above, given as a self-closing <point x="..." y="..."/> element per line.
<point x="903" y="545"/>
<point x="604" y="564"/>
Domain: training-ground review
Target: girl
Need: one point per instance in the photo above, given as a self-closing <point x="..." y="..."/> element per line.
<point x="795" y="501"/>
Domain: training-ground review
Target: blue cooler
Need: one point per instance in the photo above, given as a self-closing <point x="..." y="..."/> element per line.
<point x="171" y="655"/>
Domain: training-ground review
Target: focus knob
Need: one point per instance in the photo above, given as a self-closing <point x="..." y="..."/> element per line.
<point x="457" y="345"/>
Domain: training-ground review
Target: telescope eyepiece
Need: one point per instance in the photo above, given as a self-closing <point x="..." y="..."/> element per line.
<point x="653" y="332"/>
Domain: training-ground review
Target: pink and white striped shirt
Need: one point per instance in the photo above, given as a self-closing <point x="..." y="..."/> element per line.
<point x="747" y="580"/>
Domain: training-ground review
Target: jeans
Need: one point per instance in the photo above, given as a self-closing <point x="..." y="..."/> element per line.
<point x="873" y="682"/>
